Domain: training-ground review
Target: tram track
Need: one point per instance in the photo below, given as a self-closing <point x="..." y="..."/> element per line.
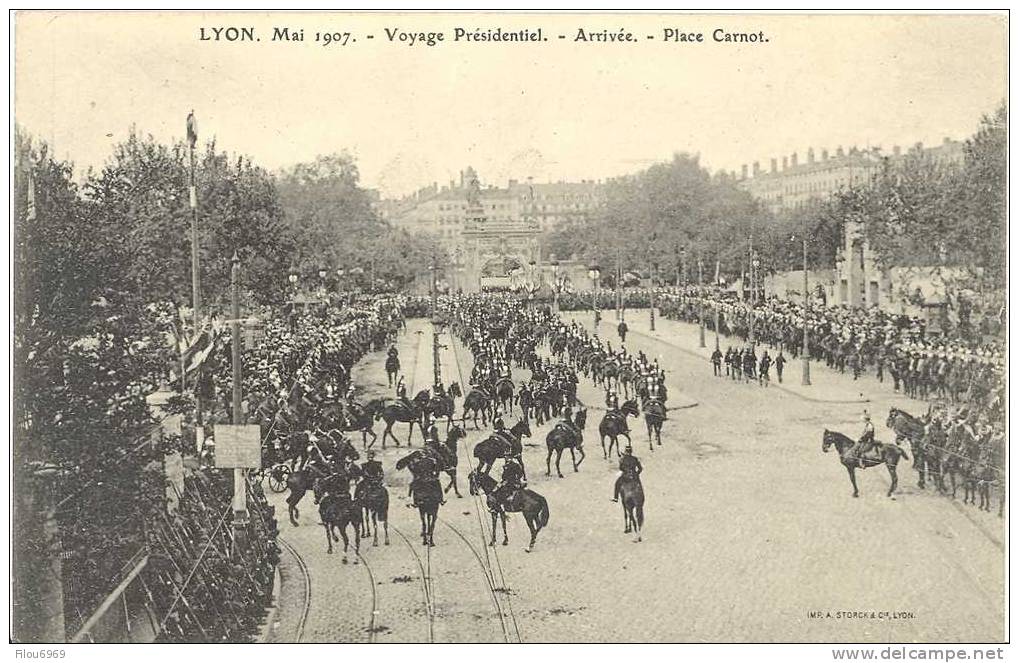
<point x="504" y="608"/>
<point x="426" y="582"/>
<point x="372" y="632"/>
<point x="306" y="608"/>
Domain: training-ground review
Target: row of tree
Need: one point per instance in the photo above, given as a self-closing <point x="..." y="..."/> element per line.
<point x="102" y="268"/>
<point x="916" y="211"/>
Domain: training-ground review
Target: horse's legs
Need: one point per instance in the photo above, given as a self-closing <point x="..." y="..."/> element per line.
<point x="558" y="458"/>
<point x="410" y="433"/>
<point x="626" y="518"/>
<point x="548" y="463"/>
<point x="329" y="538"/>
<point x="495" y="515"/>
<point x="852" y="479"/>
<point x="505" y="536"/>
<point x="424" y="527"/>
<point x="895" y="480"/>
<point x="346" y="541"/>
<point x="605" y="454"/>
<point x="582" y="456"/>
<point x="574" y="457"/>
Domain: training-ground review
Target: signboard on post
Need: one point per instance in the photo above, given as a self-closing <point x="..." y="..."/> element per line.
<point x="238" y="446"/>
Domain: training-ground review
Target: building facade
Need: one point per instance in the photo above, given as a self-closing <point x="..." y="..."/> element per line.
<point x="857" y="280"/>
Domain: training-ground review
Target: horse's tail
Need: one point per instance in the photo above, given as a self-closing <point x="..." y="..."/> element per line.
<point x="543" y="512"/>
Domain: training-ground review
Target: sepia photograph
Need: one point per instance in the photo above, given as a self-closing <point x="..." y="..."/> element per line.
<point x="321" y="319"/>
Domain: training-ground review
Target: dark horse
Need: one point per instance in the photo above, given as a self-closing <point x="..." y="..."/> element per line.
<point x="301" y="481"/>
<point x="478" y="401"/>
<point x="561" y="438"/>
<point x="525" y="501"/>
<point x="337" y="511"/>
<point x="504" y="393"/>
<point x="613" y="424"/>
<point x="889" y="456"/>
<point x="375" y="506"/>
<point x="502" y="444"/>
<point x="654" y="417"/>
<point x="362" y="419"/>
<point x="632" y="492"/>
<point x="426" y="490"/>
<point x="398" y="411"/>
<point x="913" y="429"/>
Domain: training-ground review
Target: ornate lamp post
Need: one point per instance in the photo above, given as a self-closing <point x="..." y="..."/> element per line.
<point x="595" y="273"/>
<point x="806" y="310"/>
<point x="292" y="277"/>
<point x="720" y="284"/>
<point x="754" y="264"/>
<point x="700" y="292"/>
<point x="555" y="283"/>
<point x="652" y="295"/>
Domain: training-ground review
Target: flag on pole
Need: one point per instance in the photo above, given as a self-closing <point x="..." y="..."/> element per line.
<point x="192" y="129"/>
<point x="30" y="205"/>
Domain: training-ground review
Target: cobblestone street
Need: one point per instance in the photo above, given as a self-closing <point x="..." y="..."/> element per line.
<point x="750" y="530"/>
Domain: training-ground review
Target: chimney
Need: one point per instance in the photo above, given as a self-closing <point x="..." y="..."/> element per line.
<point x="743" y="171"/>
<point x="824" y="154"/>
<point x="919" y="147"/>
<point x="452" y="184"/>
<point x="810" y="155"/>
<point x="461" y="179"/>
<point x="785" y="163"/>
<point x="840" y="152"/>
<point x="757" y="168"/>
<point x="896" y="150"/>
<point x="947" y="140"/>
<point x="774" y="165"/>
<point x="793" y="160"/>
<point x="512" y="183"/>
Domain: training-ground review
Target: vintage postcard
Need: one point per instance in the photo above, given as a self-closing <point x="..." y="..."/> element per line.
<point x="511" y="327"/>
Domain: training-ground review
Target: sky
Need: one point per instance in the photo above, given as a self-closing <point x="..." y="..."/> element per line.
<point x="555" y="110"/>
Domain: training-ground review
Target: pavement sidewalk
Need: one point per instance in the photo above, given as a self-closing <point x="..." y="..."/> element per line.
<point x="827" y="386"/>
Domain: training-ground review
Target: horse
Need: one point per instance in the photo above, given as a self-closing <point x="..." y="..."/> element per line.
<point x="478" y="401"/>
<point x="559" y="439"/>
<point x="889" y="456"/>
<point x="444" y="406"/>
<point x="504" y="393"/>
<point x="301" y="481"/>
<point x="399" y="411"/>
<point x="912" y="428"/>
<point x="375" y="506"/>
<point x="625" y="377"/>
<point x="609" y="374"/>
<point x="392" y="369"/>
<point x="426" y="490"/>
<point x="654" y="417"/>
<point x="454" y="435"/>
<point x="502" y="444"/>
<point x="525" y="501"/>
<point x="632" y="493"/>
<point x="337" y="510"/>
<point x="362" y="419"/>
<point x="613" y="424"/>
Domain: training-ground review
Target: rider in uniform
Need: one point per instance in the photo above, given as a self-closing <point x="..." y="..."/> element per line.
<point x="611" y="400"/>
<point x="866" y="439"/>
<point x="629" y="465"/>
<point x="373" y="475"/>
<point x="512" y="481"/>
<point x="401" y="392"/>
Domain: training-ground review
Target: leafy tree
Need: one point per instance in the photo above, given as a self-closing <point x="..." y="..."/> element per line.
<point x="336" y="227"/>
<point x="142" y="196"/>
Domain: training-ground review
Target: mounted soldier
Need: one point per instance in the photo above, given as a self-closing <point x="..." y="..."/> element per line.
<point x="373" y="476"/>
<point x="512" y="481"/>
<point x="866" y="441"/>
<point x="629" y="467"/>
<point x="401" y="393"/>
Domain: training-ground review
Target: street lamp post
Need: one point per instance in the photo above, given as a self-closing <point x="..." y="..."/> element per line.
<point x="754" y="264"/>
<point x="292" y="277"/>
<point x="619" y="287"/>
<point x="700" y="298"/>
<point x="555" y="283"/>
<point x="240" y="497"/>
<point x="652" y="296"/>
<point x="594" y="272"/>
<point x="806" y="311"/>
<point x="719" y="285"/>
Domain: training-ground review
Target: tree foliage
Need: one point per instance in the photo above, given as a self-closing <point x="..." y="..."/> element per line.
<point x="335" y="226"/>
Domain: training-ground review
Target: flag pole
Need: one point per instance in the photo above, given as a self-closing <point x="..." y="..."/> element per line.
<point x="196" y="285"/>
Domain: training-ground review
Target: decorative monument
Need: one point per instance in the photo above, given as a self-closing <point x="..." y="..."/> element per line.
<point x="496" y="253"/>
